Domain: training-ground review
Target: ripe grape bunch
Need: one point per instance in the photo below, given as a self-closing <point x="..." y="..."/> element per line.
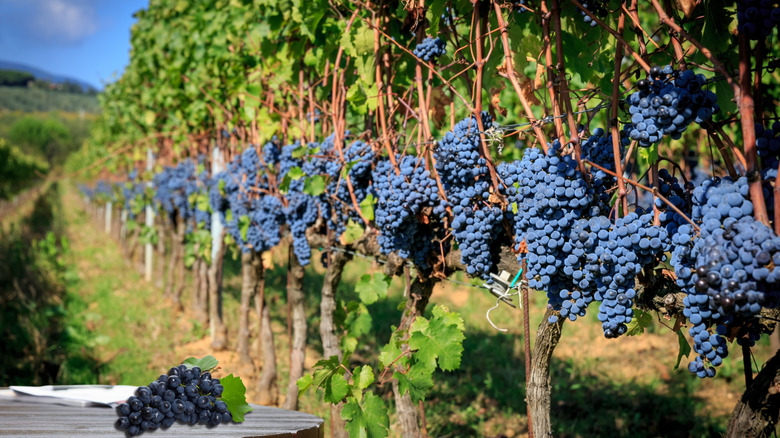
<point x="430" y="49"/>
<point x="186" y="395"/>
<point x="597" y="8"/>
<point x="768" y="145"/>
<point x="477" y="223"/>
<point x="757" y="18"/>
<point x="403" y="198"/>
<point x="667" y="103"/>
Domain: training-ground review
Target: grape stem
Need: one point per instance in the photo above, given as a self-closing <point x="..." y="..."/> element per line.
<point x="722" y="149"/>
<point x="719" y="67"/>
<point x="613" y="121"/>
<point x="617" y="34"/>
<point x="633" y="14"/>
<point x="381" y="101"/>
<point x="479" y="22"/>
<point x="747" y="113"/>
<point x="512" y="75"/>
<point x="446" y="82"/>
<point x="678" y="51"/>
<point x="574" y="139"/>
<point x="547" y="43"/>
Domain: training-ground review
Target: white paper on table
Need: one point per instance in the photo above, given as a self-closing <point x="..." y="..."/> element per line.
<point x="77" y="395"/>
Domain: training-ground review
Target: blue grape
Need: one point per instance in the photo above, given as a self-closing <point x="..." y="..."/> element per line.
<point x="757" y="18"/>
<point x="430" y="49"/>
<point x="667" y="103"/>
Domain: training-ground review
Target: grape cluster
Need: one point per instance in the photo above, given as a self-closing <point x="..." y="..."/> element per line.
<point x="339" y="207"/>
<point x="184" y="395"/>
<point x="408" y="207"/>
<point x="757" y="18"/>
<point x="732" y="275"/>
<point x="302" y="209"/>
<point x="173" y="189"/>
<point x="551" y="195"/>
<point x="256" y="217"/>
<point x="477" y="223"/>
<point x="104" y="192"/>
<point x="597" y="8"/>
<point x="133" y="193"/>
<point x="667" y="103"/>
<point x="430" y="49"/>
<point x="768" y="145"/>
<point x="598" y="149"/>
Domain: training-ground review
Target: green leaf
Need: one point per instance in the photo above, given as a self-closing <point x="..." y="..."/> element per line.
<point x="639" y="323"/>
<point x="367" y="207"/>
<point x="295" y="173"/>
<point x="314" y="185"/>
<point x="329" y="375"/>
<point x="418" y="381"/>
<point x="434" y="13"/>
<point x="234" y="395"/>
<point x="284" y="186"/>
<point x="685" y="348"/>
<point x="353" y="232"/>
<point x="389" y="352"/>
<point x="370" y="289"/>
<point x="440" y="339"/>
<point x="648" y="156"/>
<point x="368" y="419"/>
<point x="362" y="377"/>
<point x="336" y="388"/>
<point x="243" y="226"/>
<point x="304" y="383"/>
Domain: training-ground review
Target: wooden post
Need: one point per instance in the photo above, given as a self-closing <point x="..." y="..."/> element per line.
<point x="123" y="227"/>
<point x="217" y="165"/>
<point x="216" y="324"/>
<point x="109" y="210"/>
<point x="148" y="250"/>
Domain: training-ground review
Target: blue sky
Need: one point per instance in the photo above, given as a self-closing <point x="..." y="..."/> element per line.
<point x="84" y="39"/>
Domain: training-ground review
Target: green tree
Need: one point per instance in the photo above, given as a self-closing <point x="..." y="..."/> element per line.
<point x="50" y="138"/>
<point x="15" y="78"/>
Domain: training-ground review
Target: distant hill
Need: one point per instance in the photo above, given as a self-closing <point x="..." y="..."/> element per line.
<point x="44" y="75"/>
<point x="35" y="99"/>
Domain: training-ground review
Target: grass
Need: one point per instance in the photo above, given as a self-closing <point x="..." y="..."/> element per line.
<point x="626" y="387"/>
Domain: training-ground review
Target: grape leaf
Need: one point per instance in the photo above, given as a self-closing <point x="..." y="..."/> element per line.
<point x="639" y="323"/>
<point x="205" y="363"/>
<point x="304" y="383"/>
<point x="367" y="207"/>
<point x="353" y="232"/>
<point x="336" y="389"/>
<point x="330" y="377"/>
<point x="362" y="377"/>
<point x="370" y="289"/>
<point x="648" y="156"/>
<point x="314" y="185"/>
<point x="243" y="226"/>
<point x="440" y="339"/>
<point x="389" y="353"/>
<point x="234" y="395"/>
<point x="367" y="419"/>
<point x="685" y="347"/>
<point x="417" y="381"/>
<point x="295" y="173"/>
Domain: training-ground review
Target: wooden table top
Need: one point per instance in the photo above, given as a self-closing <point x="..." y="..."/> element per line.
<point x="20" y="417"/>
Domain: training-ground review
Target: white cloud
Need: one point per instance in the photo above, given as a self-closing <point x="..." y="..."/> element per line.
<point x="58" y="22"/>
<point x="67" y="21"/>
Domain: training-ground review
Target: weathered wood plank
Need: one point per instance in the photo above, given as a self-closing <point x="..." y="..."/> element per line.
<point x="28" y="419"/>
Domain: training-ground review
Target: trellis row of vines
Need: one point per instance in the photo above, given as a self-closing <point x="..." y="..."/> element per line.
<point x="244" y="71"/>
